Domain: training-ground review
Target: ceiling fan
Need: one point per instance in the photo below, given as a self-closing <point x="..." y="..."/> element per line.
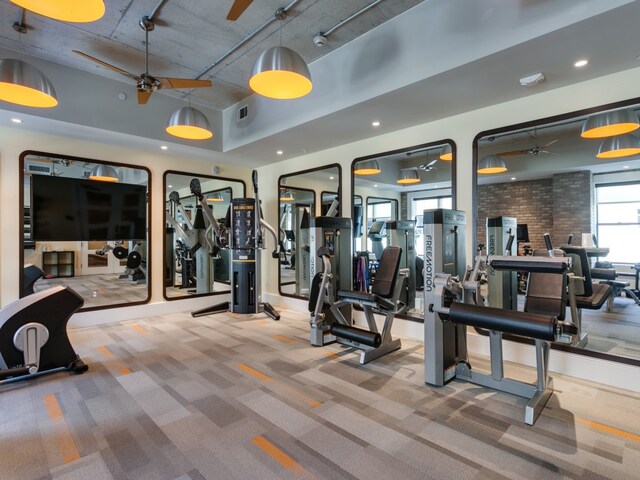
<point x="146" y="84"/>
<point x="535" y="150"/>
<point x="427" y="167"/>
<point x="238" y="8"/>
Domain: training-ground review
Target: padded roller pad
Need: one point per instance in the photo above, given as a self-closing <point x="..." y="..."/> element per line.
<point x="365" y="337"/>
<point x="530" y="264"/>
<point x="541" y="327"/>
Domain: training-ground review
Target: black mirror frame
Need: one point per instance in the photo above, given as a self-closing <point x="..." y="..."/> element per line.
<point x="164" y="219"/>
<point x="474" y="199"/>
<point x="23" y="155"/>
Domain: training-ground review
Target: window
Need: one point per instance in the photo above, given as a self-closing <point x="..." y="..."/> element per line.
<point x="418" y="206"/>
<point x="618" y="216"/>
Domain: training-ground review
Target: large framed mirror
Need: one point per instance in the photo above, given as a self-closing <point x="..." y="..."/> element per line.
<point x="557" y="176"/>
<point x="193" y="266"/>
<point x="85" y="226"/>
<point x="302" y="196"/>
<point x="391" y="190"/>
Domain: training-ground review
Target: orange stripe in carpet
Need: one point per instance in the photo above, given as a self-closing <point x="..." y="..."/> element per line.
<point x="65" y="441"/>
<point x="278" y="455"/>
<point x="284" y="339"/>
<point x="137" y="327"/>
<point x="253" y="372"/>
<point x="53" y="407"/>
<point x="606" y="428"/>
<point x="104" y="351"/>
<point x="331" y="355"/>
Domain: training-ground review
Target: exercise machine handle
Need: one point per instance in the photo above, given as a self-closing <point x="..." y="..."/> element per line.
<point x="507" y="250"/>
<point x="570" y="239"/>
<point x="547" y="242"/>
<point x="254" y="180"/>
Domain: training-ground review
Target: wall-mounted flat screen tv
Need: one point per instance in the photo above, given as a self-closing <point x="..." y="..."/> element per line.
<point x="69" y="209"/>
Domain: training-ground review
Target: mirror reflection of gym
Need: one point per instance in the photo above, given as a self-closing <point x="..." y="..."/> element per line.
<point x="298" y="203"/>
<point x="189" y="268"/>
<point x="391" y="191"/>
<point x="78" y="229"/>
<point x="554" y="177"/>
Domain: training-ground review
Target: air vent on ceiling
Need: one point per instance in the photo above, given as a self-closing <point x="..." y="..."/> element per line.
<point x="243" y="112"/>
<point x="40" y="168"/>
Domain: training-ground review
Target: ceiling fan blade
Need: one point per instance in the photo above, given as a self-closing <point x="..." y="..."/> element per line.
<point x="108" y="65"/>
<point x="550" y="143"/>
<point x="432" y="162"/>
<point x="181" y="83"/>
<point x="238" y="7"/>
<point x="513" y="153"/>
<point x="143" y="96"/>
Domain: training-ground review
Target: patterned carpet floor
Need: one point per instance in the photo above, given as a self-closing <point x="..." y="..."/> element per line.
<point x="245" y="397"/>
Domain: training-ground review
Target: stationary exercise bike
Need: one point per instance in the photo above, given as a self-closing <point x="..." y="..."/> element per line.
<point x="33" y="335"/>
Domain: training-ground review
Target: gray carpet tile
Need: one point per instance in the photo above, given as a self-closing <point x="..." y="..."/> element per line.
<point x="244" y="397"/>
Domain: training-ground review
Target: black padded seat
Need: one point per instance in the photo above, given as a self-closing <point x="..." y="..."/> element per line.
<point x="383" y="284"/>
<point x="588" y="294"/>
<point x="546" y="292"/>
<point x="601" y="291"/>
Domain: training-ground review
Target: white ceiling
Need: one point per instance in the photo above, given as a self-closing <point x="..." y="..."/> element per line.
<point x="474" y="54"/>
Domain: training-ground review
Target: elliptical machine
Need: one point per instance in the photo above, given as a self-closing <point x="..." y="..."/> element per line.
<point x="243" y="235"/>
<point x="33" y="335"/>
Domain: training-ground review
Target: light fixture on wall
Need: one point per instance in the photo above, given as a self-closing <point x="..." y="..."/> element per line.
<point x="408" y="177"/>
<point x="104" y="173"/>
<point x="78" y="11"/>
<point x="367" y="167"/>
<point x="491" y="164"/>
<point x="619" y="146"/>
<point x="215" y="197"/>
<point x="609" y="124"/>
<point x="189" y="123"/>
<point x="287" y="195"/>
<point x="23" y="84"/>
<point x="279" y="72"/>
<point x="447" y="153"/>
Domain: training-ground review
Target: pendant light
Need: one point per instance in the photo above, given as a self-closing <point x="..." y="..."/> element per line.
<point x="367" y="167"/>
<point x="408" y="177"/>
<point x="215" y="197"/>
<point x="23" y="84"/>
<point x="104" y="173"/>
<point x="491" y="164"/>
<point x="279" y="72"/>
<point x="189" y="123"/>
<point x="287" y="195"/>
<point x="609" y="124"/>
<point x="447" y="154"/>
<point x="79" y="11"/>
<point x="619" y="146"/>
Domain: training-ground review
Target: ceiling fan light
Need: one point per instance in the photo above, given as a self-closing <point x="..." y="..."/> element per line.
<point x="104" y="173"/>
<point x="408" y="177"/>
<point x="280" y="73"/>
<point x="287" y="196"/>
<point x="367" y="167"/>
<point x="610" y="124"/>
<point x="189" y="123"/>
<point x="23" y="84"/>
<point x="78" y="11"/>
<point x="447" y="154"/>
<point x="491" y="164"/>
<point x="619" y="146"/>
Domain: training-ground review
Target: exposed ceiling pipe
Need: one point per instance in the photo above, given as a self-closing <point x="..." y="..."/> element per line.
<point x="155" y="11"/>
<point x="321" y="38"/>
<point x="246" y="39"/>
<point x="20" y="25"/>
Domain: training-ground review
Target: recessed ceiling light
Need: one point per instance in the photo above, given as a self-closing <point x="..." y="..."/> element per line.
<point x="16" y="120"/>
<point x="513" y="178"/>
<point x="279" y="152"/>
<point x="169" y="186"/>
<point x="626" y="166"/>
<point x="581" y="63"/>
<point x="375" y="185"/>
<point x="164" y="147"/>
<point x="375" y="123"/>
<point x="331" y="177"/>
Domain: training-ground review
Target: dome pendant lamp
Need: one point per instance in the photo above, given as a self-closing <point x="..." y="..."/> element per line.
<point x="77" y="11"/>
<point x="189" y="123"/>
<point x="491" y="164"/>
<point x="279" y="72"/>
<point x="620" y="146"/>
<point x="287" y="196"/>
<point x="367" y="167"/>
<point x="104" y="173"/>
<point x="23" y="84"/>
<point x="447" y="154"/>
<point x="408" y="177"/>
<point x="610" y="124"/>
